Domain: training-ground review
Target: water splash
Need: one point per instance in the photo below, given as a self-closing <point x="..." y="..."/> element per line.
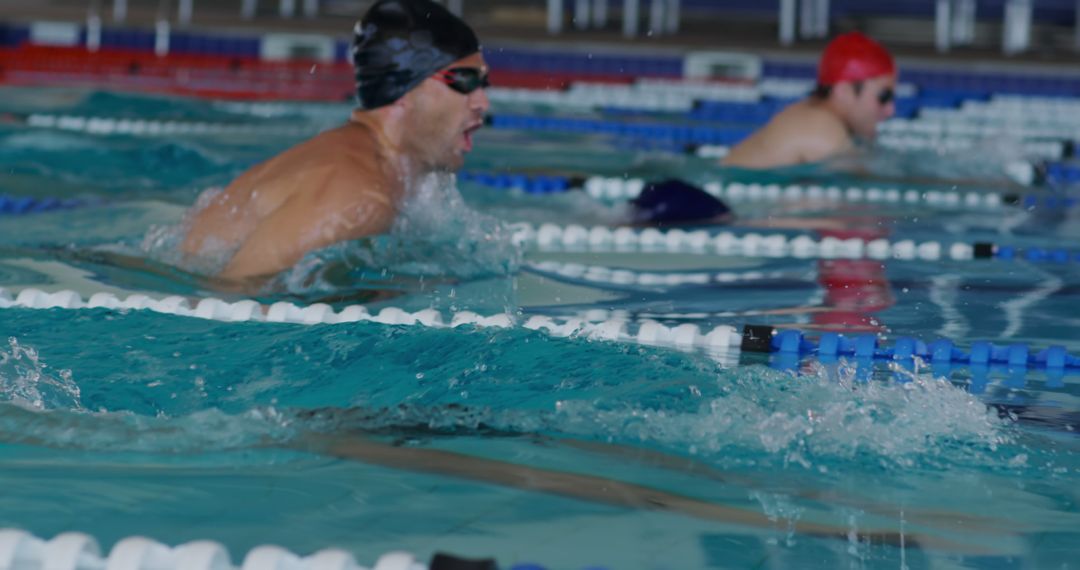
<point x="780" y="509"/>
<point x="162" y="242"/>
<point x="435" y="235"/>
<point x="814" y="421"/>
<point x="27" y="381"/>
<point x="41" y="407"/>
<point x="200" y="432"/>
<point x="761" y="416"/>
<point x="526" y="383"/>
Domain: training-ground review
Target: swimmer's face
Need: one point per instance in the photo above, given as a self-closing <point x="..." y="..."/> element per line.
<point x="446" y="110"/>
<point x="870" y="104"/>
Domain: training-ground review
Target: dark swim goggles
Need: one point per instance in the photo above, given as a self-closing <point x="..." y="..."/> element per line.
<point x="464" y="80"/>
<point x="884" y="97"/>
<point x="887" y="95"/>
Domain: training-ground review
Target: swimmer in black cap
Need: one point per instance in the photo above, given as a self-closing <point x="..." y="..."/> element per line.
<point x="420" y="91"/>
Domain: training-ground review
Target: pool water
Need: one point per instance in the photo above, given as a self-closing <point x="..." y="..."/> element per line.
<point x="510" y="442"/>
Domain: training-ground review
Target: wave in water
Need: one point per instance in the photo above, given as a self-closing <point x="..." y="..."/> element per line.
<point x="682" y="404"/>
<point x="120" y="167"/>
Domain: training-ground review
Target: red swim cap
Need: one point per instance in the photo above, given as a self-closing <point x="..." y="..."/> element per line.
<point x="854" y="57"/>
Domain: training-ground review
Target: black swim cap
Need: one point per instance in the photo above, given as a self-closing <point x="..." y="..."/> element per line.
<point x="400" y="43"/>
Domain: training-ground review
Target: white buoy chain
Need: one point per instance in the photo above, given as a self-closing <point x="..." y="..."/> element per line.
<point x="712" y="151"/>
<point x="551" y="237"/>
<point x="591" y="97"/>
<point x="720" y="339"/>
<point x="700" y="90"/>
<point x="20" y="550"/>
<point x="144" y="127"/>
<point x="963" y="127"/>
<point x="967" y="123"/>
<point x="1052" y="150"/>
<point x="600" y="274"/>
<point x="273" y="110"/>
<point x="613" y="188"/>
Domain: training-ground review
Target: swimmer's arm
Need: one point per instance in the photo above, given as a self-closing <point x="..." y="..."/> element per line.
<point x="306" y="222"/>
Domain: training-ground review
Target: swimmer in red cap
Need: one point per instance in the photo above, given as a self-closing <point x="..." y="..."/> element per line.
<point x="420" y="79"/>
<point x="855" y="91"/>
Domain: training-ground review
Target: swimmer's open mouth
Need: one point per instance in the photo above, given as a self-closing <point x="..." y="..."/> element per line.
<point x="468" y="135"/>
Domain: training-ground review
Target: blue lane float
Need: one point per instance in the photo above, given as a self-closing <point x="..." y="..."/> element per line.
<point x="536" y="184"/>
<point x="942" y="355"/>
<point x="1063" y="173"/>
<point x="681" y="134"/>
<point x="22" y="205"/>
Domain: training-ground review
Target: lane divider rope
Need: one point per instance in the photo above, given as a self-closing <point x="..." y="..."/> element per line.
<point x="951" y="143"/>
<point x="713" y="151"/>
<point x="680" y="133"/>
<point x="941" y="354"/>
<point x="618" y="276"/>
<point x="149" y="127"/>
<point x="627" y="188"/>
<point x="277" y="109"/>
<point x="551" y="237"/>
<point x="19" y="550"/>
<point x="22" y="205"/>
<point x="719" y="340"/>
<point x="962" y="126"/>
<point x="722" y="341"/>
<point x="618" y="188"/>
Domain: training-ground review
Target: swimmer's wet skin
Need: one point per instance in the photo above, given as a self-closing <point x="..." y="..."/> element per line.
<point x="420" y="97"/>
<point x="856" y="90"/>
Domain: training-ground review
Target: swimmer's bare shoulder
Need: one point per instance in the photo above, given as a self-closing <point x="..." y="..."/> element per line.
<point x="773" y="145"/>
<point x="819" y="134"/>
<point x="803" y="132"/>
<point x="359" y="193"/>
<point x="331" y="188"/>
<point x="226" y="218"/>
<point x="345" y="197"/>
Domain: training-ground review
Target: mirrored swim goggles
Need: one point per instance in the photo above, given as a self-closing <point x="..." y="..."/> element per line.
<point x="464" y="80"/>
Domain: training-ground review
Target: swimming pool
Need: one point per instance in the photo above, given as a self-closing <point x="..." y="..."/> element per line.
<point x="374" y="437"/>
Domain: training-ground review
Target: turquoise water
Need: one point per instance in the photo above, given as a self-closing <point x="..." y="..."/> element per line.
<point x="374" y="437"/>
